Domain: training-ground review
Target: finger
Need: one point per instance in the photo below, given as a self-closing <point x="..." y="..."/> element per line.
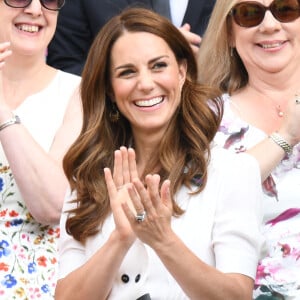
<point x="128" y="212"/>
<point x="111" y="188"/>
<point x="125" y="165"/>
<point x="144" y="196"/>
<point x="166" y="194"/>
<point x="135" y="199"/>
<point x="152" y="182"/>
<point x="118" y="170"/>
<point x="132" y="164"/>
<point x="4" y="52"/>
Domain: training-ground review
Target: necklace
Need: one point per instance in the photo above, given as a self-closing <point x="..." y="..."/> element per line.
<point x="279" y="111"/>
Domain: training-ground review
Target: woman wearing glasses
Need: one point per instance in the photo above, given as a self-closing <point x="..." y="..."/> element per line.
<point x="36" y="129"/>
<point x="252" y="53"/>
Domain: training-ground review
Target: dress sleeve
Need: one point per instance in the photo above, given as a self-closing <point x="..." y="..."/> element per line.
<point x="237" y="237"/>
<point x="71" y="252"/>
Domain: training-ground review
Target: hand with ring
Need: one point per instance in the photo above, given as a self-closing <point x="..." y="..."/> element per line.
<point x="152" y="223"/>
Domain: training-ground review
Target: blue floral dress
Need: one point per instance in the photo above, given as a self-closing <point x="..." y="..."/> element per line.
<point x="278" y="272"/>
<point x="28" y="250"/>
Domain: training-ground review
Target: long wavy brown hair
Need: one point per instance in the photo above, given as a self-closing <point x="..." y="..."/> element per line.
<point x="184" y="151"/>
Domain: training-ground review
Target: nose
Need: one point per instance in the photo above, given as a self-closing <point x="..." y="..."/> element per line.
<point x="145" y="80"/>
<point x="269" y="23"/>
<point x="35" y="8"/>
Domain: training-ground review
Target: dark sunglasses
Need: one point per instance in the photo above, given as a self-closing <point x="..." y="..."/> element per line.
<point x="252" y="13"/>
<point x="49" y="4"/>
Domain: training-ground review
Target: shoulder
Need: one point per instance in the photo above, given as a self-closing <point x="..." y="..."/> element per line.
<point x="230" y="164"/>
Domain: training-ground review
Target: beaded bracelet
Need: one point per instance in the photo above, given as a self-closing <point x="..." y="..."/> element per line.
<point x="14" y="120"/>
<point x="280" y="141"/>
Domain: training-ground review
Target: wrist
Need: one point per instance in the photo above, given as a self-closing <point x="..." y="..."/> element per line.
<point x="14" y="119"/>
<point x="281" y="142"/>
<point x="290" y="139"/>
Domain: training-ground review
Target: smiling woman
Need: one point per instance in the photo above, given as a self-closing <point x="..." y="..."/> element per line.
<point x="164" y="205"/>
<point x="252" y="54"/>
<point x="38" y="122"/>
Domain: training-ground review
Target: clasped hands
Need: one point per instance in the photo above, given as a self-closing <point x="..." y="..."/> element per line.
<point x="130" y="198"/>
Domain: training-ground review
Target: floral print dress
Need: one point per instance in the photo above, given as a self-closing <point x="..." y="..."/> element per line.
<point x="278" y="272"/>
<point x="28" y="249"/>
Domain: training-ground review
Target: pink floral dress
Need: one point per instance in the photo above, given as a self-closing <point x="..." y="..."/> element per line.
<point x="278" y="272"/>
<point x="28" y="249"/>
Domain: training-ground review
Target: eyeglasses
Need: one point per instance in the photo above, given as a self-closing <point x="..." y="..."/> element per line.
<point x="49" y="4"/>
<point x="252" y="13"/>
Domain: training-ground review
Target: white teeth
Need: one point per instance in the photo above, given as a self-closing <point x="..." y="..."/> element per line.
<point x="150" y="102"/>
<point x="28" y="28"/>
<point x="267" y="46"/>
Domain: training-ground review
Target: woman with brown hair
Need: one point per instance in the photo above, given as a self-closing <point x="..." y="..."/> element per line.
<point x="163" y="221"/>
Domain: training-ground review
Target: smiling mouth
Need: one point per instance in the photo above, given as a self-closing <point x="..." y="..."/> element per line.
<point x="270" y="46"/>
<point x="28" y="28"/>
<point x="149" y="102"/>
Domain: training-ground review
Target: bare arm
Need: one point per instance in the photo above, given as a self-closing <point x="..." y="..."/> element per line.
<point x="39" y="174"/>
<point x="267" y="152"/>
<point x="103" y="266"/>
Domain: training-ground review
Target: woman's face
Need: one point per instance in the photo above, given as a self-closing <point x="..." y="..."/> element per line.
<point x="146" y="81"/>
<point x="29" y="29"/>
<point x="270" y="46"/>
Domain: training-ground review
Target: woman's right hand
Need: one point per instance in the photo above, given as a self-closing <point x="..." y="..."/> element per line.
<point x="290" y="128"/>
<point x="4" y="53"/>
<point x="124" y="172"/>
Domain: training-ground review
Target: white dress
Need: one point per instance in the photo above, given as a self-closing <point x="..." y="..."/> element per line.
<point x="278" y="272"/>
<point x="221" y="225"/>
<point x="28" y="250"/>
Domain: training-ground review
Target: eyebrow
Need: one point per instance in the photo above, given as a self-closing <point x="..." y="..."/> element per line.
<point x="150" y="62"/>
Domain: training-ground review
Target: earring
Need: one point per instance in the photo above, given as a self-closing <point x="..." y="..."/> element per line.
<point x="114" y="114"/>
<point x="231" y="51"/>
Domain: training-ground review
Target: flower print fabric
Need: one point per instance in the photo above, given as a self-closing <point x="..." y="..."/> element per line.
<point x="278" y="272"/>
<point x="28" y="250"/>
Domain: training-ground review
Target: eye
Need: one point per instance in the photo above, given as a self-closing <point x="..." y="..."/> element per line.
<point x="126" y="73"/>
<point x="159" y="65"/>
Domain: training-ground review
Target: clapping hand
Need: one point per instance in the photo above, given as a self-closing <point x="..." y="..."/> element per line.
<point x="125" y="171"/>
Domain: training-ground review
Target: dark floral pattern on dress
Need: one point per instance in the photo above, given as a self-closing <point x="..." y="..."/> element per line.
<point x="278" y="272"/>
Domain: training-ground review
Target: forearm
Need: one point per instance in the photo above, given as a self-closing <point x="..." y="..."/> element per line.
<point x="199" y="280"/>
<point x="269" y="154"/>
<point x="94" y="279"/>
<point x="39" y="177"/>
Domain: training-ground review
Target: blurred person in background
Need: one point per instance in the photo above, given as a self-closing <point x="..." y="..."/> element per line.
<point x="80" y="20"/>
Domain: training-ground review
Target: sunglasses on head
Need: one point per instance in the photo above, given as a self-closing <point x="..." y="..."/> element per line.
<point x="252" y="13"/>
<point x="49" y="4"/>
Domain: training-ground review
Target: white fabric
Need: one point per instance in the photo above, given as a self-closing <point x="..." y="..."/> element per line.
<point x="28" y="249"/>
<point x="221" y="226"/>
<point x="178" y="9"/>
<point x="278" y="272"/>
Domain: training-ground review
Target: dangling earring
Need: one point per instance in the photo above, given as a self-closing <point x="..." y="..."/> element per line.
<point x="114" y="114"/>
<point x="231" y="51"/>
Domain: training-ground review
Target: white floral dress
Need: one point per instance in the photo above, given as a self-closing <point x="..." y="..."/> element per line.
<point x="278" y="272"/>
<point x="28" y="250"/>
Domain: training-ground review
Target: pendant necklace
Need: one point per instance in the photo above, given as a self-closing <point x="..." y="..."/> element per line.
<point x="279" y="111"/>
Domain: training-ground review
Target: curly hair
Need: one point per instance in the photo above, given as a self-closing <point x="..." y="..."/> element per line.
<point x="186" y="141"/>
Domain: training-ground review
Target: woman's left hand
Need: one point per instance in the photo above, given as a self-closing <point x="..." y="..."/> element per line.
<point x="157" y="205"/>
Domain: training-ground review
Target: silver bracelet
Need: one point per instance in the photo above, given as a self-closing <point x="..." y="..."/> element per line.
<point x="280" y="141"/>
<point x="14" y="120"/>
